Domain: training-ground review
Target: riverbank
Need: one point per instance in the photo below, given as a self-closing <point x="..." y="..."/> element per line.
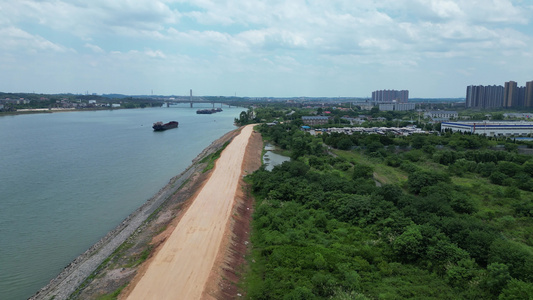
<point x="129" y="239"/>
<point x="27" y="111"/>
<point x="183" y="265"/>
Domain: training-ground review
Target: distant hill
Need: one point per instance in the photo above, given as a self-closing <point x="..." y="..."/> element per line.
<point x="436" y="100"/>
<point x="115" y="96"/>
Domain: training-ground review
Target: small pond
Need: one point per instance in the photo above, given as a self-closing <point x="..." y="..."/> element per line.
<point x="272" y="159"/>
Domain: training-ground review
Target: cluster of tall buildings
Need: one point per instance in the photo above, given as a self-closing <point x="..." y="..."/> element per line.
<point x="390" y="96"/>
<point x="496" y="96"/>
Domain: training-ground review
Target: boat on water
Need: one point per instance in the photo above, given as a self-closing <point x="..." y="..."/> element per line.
<point x="159" y="126"/>
<point x="204" y="111"/>
<point x="208" y="111"/>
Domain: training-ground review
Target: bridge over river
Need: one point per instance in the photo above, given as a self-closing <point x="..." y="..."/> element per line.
<point x="169" y="103"/>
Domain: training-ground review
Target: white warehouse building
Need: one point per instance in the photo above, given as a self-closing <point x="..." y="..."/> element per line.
<point x="491" y="128"/>
<point x="396" y="106"/>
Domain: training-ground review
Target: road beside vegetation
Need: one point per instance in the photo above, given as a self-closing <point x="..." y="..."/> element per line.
<point x="182" y="266"/>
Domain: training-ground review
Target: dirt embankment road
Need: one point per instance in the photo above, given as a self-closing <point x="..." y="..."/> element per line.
<point x="181" y="268"/>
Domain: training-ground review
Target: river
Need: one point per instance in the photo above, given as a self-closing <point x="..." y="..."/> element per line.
<point x="66" y="179"/>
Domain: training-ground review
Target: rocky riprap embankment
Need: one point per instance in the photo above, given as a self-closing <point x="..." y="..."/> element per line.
<point x="84" y="265"/>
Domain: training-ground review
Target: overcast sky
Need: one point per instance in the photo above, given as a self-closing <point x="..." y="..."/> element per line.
<point x="433" y="48"/>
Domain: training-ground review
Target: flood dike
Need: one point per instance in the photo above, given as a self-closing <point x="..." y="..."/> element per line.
<point x="75" y="273"/>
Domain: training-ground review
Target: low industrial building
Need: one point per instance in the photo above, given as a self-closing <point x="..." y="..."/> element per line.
<point x="518" y="115"/>
<point x="315" y="120"/>
<point x="396" y="106"/>
<point x="488" y="128"/>
<point x="354" y="121"/>
<point x="441" y="115"/>
<point x="378" y="130"/>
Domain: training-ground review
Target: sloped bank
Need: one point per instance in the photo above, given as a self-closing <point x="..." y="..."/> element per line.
<point x="90" y="271"/>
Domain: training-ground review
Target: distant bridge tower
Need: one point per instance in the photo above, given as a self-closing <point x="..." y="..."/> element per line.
<point x="191" y="98"/>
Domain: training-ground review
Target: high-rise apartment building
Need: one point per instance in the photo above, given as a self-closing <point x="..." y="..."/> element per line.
<point x="521" y="97"/>
<point x="494" y="96"/>
<point x="479" y="96"/>
<point x="390" y="96"/>
<point x="529" y="94"/>
<point x="510" y="97"/>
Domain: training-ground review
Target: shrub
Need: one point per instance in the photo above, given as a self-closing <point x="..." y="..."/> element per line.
<point x="517" y="290"/>
<point x="419" y="179"/>
<point x="362" y="171"/>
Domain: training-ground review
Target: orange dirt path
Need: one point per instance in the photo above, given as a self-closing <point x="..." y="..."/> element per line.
<point x="180" y="270"/>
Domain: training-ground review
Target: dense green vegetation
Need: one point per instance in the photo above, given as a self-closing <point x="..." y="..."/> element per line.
<point x="384" y="217"/>
<point x="294" y="115"/>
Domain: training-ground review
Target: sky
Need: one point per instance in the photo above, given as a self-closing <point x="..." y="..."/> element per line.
<point x="264" y="48"/>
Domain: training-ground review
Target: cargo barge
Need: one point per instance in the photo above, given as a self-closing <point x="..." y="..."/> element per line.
<point x="159" y="126"/>
<point x="208" y="111"/>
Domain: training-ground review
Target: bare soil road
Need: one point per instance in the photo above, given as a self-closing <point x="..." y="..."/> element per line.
<point x="181" y="268"/>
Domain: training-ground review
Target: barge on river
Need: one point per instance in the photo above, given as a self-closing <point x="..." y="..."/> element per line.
<point x="208" y="111"/>
<point x="159" y="126"/>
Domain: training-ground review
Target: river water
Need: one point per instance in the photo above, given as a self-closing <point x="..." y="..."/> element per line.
<point x="66" y="179"/>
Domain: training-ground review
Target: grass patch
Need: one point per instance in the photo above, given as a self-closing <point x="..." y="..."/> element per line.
<point x="123" y="247"/>
<point x="496" y="208"/>
<point x="153" y="214"/>
<point x="182" y="185"/>
<point x="139" y="259"/>
<point x="210" y="159"/>
<point x="389" y="175"/>
<point x="163" y="228"/>
<point x="113" y="295"/>
<point x="382" y="173"/>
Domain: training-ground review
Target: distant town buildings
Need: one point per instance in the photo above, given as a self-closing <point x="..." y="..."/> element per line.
<point x="8" y="104"/>
<point x="364" y="105"/>
<point x="390" y="96"/>
<point x="496" y="96"/>
<point x="14" y="101"/>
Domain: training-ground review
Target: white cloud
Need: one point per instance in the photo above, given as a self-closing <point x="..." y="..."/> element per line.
<point x="94" y="48"/>
<point x="375" y="44"/>
<point x="497" y="11"/>
<point x="82" y="18"/>
<point x="155" y="54"/>
<point x="16" y="39"/>
<point x="446" y="9"/>
<point x="340" y="38"/>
